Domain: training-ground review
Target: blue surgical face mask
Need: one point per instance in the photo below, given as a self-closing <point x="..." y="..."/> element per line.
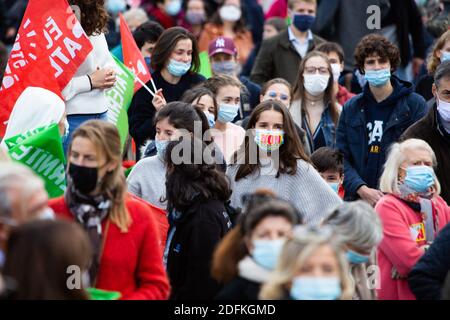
<point x="177" y="68"/>
<point x="378" y="78"/>
<point x="161" y="146"/>
<point x="266" y="252"/>
<point x="316" y="288"/>
<point x="356" y="258"/>
<point x="419" y="178"/>
<point x="334" y="186"/>
<point x="115" y="6"/>
<point x="227" y="112"/>
<point x="210" y="117"/>
<point x="148" y="61"/>
<point x="173" y="7"/>
<point x="445" y="56"/>
<point x="224" y="67"/>
<point x="303" y="22"/>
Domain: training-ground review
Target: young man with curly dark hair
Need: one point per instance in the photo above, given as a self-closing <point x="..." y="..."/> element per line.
<point x="374" y="119"/>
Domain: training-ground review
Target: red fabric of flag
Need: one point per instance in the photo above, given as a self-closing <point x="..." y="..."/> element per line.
<point x="49" y="48"/>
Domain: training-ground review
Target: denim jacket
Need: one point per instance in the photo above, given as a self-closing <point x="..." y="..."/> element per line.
<point x="328" y="129"/>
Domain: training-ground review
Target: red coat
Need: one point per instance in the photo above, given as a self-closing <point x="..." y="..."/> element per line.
<point x="398" y="248"/>
<point x="131" y="262"/>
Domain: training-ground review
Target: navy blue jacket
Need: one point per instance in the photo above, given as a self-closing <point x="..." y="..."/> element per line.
<point x="427" y="278"/>
<point x="352" y="135"/>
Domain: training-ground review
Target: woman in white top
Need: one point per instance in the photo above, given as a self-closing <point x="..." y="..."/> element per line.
<point x="314" y="108"/>
<point x="84" y="95"/>
<point x="227" y="135"/>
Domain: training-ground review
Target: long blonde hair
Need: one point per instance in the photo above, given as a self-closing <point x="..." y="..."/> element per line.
<point x="433" y="60"/>
<point x="106" y="140"/>
<point x="294" y="255"/>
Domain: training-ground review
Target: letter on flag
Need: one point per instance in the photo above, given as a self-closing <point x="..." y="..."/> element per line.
<point x="132" y="56"/>
<point x="49" y="48"/>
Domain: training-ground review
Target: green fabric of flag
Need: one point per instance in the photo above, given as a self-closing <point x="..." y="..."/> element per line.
<point x="205" y="66"/>
<point x="42" y="151"/>
<point x="119" y="99"/>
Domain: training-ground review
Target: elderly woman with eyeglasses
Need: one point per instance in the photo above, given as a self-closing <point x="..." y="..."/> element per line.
<point x="412" y="213"/>
<point x="359" y="228"/>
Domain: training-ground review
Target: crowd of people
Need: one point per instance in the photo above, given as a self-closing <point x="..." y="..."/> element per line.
<point x="310" y="163"/>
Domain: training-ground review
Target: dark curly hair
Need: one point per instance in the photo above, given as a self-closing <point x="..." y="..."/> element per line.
<point x="94" y="17"/>
<point x="376" y="44"/>
<point x="193" y="178"/>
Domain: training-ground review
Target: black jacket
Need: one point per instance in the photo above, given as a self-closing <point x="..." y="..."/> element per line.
<point x="427" y="278"/>
<point x="197" y="233"/>
<point x="142" y="112"/>
<point x="428" y="129"/>
<point x="240" y="289"/>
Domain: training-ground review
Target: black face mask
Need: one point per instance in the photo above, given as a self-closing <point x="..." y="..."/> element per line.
<point x="84" y="179"/>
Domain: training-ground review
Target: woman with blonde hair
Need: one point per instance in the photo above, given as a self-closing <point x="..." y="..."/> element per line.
<point x="440" y="53"/>
<point x="311" y="266"/>
<point x="122" y="230"/>
<point x="412" y="214"/>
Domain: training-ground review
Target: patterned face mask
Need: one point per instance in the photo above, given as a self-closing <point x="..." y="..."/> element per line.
<point x="269" y="140"/>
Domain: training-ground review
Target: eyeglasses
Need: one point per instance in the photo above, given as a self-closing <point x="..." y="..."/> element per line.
<point x="313" y="70"/>
<point x="281" y="96"/>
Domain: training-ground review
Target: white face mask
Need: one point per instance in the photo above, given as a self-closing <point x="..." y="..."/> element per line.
<point x="336" y="67"/>
<point x="230" y="13"/>
<point x="315" y="84"/>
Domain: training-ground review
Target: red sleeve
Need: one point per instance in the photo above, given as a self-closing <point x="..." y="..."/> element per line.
<point x="150" y="273"/>
<point x="397" y="244"/>
<point x="277" y="9"/>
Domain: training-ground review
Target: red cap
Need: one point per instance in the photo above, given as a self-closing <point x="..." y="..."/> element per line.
<point x="222" y="44"/>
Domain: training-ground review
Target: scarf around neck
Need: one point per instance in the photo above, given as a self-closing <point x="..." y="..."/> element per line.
<point x="90" y="212"/>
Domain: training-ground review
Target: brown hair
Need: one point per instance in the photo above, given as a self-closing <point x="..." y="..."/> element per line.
<point x="215" y="83"/>
<point x="197" y="93"/>
<point x="433" y="60"/>
<point x="94" y="17"/>
<point x="106" y="140"/>
<point x="166" y="44"/>
<point x="376" y="44"/>
<point x="233" y="248"/>
<point x="292" y="2"/>
<point x="329" y="95"/>
<point x="38" y="256"/>
<point x="269" y="83"/>
<point x="329" y="47"/>
<point x="278" y="23"/>
<point x="326" y="158"/>
<point x="291" y="150"/>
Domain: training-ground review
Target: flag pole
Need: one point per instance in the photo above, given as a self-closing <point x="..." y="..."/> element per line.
<point x="153" y="84"/>
<point x="145" y="86"/>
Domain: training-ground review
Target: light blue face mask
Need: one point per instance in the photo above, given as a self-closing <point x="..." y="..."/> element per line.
<point x="378" y="78"/>
<point x="115" y="6"/>
<point x="210" y="117"/>
<point x="224" y="67"/>
<point x="227" y="112"/>
<point x="419" y="178"/>
<point x="445" y="56"/>
<point x="178" y="69"/>
<point x="316" y="288"/>
<point x="266" y="252"/>
<point x="356" y="258"/>
<point x="173" y="7"/>
<point x="334" y="186"/>
<point x="161" y="146"/>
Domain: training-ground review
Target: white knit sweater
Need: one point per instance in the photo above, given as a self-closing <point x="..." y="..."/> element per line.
<point x="306" y="190"/>
<point x="77" y="94"/>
